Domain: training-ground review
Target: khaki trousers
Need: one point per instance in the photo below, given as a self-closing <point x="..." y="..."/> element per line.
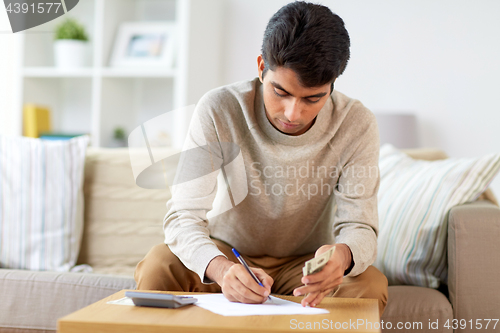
<point x="162" y="270"/>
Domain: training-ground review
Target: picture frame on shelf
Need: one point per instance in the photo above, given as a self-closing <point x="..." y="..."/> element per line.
<point x="150" y="44"/>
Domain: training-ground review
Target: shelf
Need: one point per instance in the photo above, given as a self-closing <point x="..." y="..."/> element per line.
<point x="53" y="72"/>
<point x="69" y="100"/>
<point x="99" y="98"/>
<point x="139" y="72"/>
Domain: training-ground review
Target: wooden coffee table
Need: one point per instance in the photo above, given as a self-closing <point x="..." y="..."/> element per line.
<point x="346" y="314"/>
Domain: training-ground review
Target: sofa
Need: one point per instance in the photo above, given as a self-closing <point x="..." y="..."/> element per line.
<point x="123" y="221"/>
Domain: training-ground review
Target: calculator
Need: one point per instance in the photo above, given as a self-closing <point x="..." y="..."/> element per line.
<point x="159" y="300"/>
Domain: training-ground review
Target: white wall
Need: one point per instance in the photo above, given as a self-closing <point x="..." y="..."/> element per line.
<point x="437" y="59"/>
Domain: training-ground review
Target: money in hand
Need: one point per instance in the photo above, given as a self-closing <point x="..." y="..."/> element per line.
<point x="315" y="265"/>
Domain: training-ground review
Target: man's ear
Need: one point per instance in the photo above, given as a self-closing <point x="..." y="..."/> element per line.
<point x="260" y="67"/>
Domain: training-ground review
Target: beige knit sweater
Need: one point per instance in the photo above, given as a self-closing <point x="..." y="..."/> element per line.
<point x="268" y="193"/>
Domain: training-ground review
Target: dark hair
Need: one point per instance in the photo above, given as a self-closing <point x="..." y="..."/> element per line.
<point x="310" y="40"/>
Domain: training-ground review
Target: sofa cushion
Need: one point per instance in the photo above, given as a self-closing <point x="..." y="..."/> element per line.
<point x="122" y="221"/>
<point x="434" y="154"/>
<point x="410" y="304"/>
<point x="35" y="300"/>
<point x="414" y="198"/>
<point x="41" y="202"/>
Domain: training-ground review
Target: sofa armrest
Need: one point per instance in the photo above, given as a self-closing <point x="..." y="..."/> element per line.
<point x="474" y="262"/>
<point x="34" y="300"/>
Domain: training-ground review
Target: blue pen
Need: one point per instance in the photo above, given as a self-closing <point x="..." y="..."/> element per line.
<point x="243" y="262"/>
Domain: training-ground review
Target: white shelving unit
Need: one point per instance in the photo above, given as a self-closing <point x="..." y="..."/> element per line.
<point x="99" y="98"/>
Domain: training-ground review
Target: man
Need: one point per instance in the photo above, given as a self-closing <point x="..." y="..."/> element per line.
<point x="311" y="166"/>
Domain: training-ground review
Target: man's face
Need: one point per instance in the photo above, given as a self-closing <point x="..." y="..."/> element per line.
<point x="290" y="107"/>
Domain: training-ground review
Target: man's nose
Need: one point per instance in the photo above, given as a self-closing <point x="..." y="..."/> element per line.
<point x="292" y="111"/>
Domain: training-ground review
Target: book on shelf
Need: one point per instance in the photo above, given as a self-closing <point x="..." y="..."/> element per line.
<point x="37" y="124"/>
<point x="36" y="119"/>
<point x="59" y="136"/>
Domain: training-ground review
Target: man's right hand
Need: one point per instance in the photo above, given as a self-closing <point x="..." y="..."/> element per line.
<point x="236" y="283"/>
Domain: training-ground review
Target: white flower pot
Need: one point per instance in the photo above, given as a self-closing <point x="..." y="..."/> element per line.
<point x="69" y="53"/>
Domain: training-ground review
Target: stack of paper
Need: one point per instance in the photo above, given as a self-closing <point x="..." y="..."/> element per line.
<point x="219" y="304"/>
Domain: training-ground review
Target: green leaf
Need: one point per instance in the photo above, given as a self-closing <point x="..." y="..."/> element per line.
<point x="71" y="29"/>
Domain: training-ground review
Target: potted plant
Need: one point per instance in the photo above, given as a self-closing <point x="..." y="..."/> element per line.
<point x="119" y="137"/>
<point x="71" y="44"/>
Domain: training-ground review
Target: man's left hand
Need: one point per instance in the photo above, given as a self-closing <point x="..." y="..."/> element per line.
<point x="317" y="286"/>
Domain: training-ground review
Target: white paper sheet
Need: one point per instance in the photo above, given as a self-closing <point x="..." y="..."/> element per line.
<point x="219" y="304"/>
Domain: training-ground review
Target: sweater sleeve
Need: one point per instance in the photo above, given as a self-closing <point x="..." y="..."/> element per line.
<point x="193" y="191"/>
<point x="356" y="217"/>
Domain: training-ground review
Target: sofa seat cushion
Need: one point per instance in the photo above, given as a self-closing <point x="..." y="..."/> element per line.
<point x="35" y="299"/>
<point x="115" y="269"/>
<point x="410" y="304"/>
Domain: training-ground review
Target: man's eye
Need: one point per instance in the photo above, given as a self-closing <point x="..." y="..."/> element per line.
<point x="314" y="100"/>
<point x="278" y="94"/>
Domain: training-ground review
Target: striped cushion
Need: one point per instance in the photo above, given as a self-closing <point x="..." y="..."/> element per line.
<point x="41" y="202"/>
<point x="413" y="201"/>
